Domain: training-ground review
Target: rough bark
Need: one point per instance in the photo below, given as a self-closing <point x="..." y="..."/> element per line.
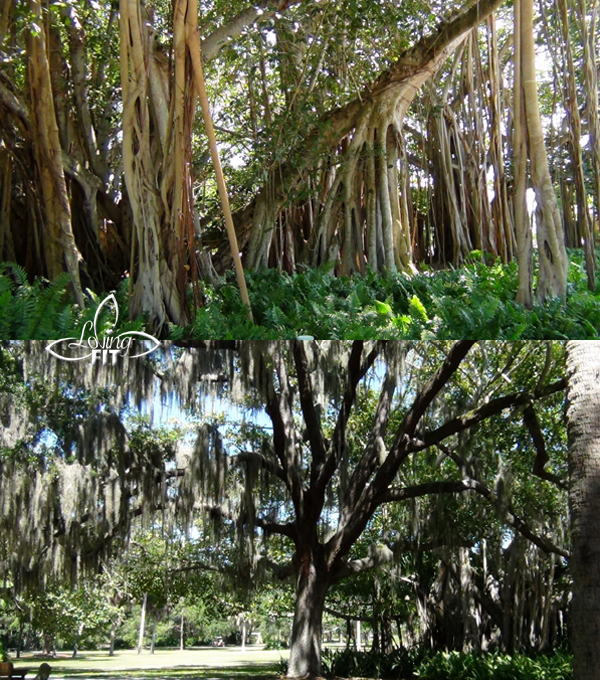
<point x="311" y="589"/>
<point x="583" y="426"/>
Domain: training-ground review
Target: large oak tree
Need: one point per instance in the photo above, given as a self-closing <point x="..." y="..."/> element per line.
<point x="305" y="480"/>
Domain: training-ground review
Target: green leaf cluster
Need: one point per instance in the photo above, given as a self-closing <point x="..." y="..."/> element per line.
<point x="442" y="665"/>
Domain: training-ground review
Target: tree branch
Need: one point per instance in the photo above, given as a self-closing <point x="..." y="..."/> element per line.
<point x="377" y="556"/>
<point x="279" y="410"/>
<point x="506" y="513"/>
<point x="343" y="616"/>
<point x="285" y="529"/>
<point x="318" y="443"/>
<point x="227" y="33"/>
<point x="280" y="571"/>
<point x="375" y="447"/>
<point x="357" y="369"/>
<point x="531" y="422"/>
<point x="342" y="541"/>
<point x="225" y="570"/>
<point x="474" y="417"/>
<point x="414" y="491"/>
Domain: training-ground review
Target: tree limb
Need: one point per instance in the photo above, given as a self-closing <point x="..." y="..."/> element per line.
<point x="342" y="541"/>
<point x="357" y="369"/>
<point x="227" y="33"/>
<point x="506" y="513"/>
<point x="531" y="422"/>
<point x="414" y="491"/>
<point x="479" y="414"/>
<point x="285" y="529"/>
<point x="318" y="443"/>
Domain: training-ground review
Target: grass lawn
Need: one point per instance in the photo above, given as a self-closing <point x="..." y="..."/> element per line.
<point x="193" y="663"/>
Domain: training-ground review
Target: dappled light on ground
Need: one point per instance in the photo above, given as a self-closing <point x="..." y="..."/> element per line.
<point x="195" y="663"/>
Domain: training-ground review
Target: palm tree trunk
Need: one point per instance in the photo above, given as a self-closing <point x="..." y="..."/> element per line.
<point x="583" y="426"/>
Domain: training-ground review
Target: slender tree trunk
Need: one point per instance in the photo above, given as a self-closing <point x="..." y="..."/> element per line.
<point x="552" y="280"/>
<point x="584" y="221"/>
<point x="243" y="635"/>
<point x="181" y="641"/>
<point x="20" y="639"/>
<point x="583" y="427"/>
<point x="153" y="642"/>
<point x="142" y="624"/>
<point x="588" y="40"/>
<point x="113" y="636"/>
<point x="305" y="649"/>
<point x="522" y="226"/>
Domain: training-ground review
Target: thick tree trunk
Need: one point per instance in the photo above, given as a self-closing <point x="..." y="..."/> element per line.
<point x="305" y="649"/>
<point x="155" y="291"/>
<point x="583" y="426"/>
<point x="58" y="240"/>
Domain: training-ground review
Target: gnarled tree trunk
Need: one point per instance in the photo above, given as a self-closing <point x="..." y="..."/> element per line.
<point x="553" y="260"/>
<point x="58" y="242"/>
<point x="364" y="128"/>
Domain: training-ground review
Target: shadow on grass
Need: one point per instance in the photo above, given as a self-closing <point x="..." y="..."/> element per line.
<point x="243" y="671"/>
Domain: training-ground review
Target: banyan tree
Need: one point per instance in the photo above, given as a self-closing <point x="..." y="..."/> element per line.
<point x="358" y="135"/>
<point x="358" y="432"/>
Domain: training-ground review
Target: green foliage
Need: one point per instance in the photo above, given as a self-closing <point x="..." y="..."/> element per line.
<point x="46" y="311"/>
<point x="442" y="665"/>
<point x="80" y="616"/>
<point x="398" y="664"/>
<point x="475" y="301"/>
<point x="3" y="654"/>
<point x="38" y="311"/>
<point x="421" y="664"/>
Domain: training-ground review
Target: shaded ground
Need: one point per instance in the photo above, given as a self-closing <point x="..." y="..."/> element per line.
<point x="194" y="663"/>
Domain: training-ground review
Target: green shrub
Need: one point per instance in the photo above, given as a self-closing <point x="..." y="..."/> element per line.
<point x="475" y="301"/>
<point x="272" y="643"/>
<point x="398" y="664"/>
<point x="444" y="665"/>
